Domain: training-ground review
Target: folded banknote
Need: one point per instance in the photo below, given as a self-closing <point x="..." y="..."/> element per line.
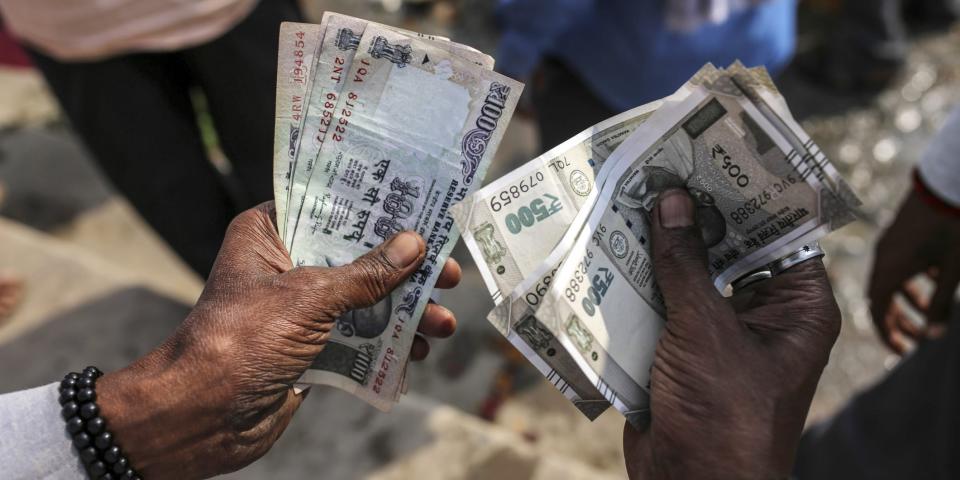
<point x="394" y="128"/>
<point x="588" y="316"/>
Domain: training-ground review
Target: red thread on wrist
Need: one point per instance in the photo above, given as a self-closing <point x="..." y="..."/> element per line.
<point x="930" y="198"/>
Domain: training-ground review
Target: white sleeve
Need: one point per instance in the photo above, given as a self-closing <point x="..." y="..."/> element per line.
<point x="940" y="166"/>
<point x="35" y="443"/>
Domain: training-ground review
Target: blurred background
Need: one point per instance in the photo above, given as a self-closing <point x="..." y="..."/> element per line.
<point x="87" y="266"/>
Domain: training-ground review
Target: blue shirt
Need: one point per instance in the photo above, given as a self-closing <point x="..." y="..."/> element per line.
<point x="623" y="50"/>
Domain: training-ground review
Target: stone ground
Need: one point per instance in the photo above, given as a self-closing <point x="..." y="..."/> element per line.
<point x="95" y="272"/>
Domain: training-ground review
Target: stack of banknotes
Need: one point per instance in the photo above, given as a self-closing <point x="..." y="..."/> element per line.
<point x="378" y="130"/>
<point x="563" y="241"/>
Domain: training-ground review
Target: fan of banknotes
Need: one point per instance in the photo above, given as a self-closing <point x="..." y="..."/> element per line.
<point x="562" y="241"/>
<point x="378" y="130"/>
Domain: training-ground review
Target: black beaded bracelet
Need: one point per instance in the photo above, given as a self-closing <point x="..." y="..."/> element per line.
<point x="95" y="445"/>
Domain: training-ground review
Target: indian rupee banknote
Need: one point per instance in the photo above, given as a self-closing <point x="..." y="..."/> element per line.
<point x="418" y="128"/>
<point x="513" y="222"/>
<point x="761" y="187"/>
<point x="297" y="48"/>
<point x="334" y="60"/>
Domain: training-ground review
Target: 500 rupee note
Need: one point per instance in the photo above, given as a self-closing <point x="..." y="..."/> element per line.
<point x="761" y="188"/>
<point x="513" y="222"/>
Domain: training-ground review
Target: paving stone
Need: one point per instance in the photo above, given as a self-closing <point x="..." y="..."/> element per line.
<point x="48" y="177"/>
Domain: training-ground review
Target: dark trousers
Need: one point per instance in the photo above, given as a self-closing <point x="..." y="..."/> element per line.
<point x="906" y="426"/>
<point x="565" y="106"/>
<point x="876" y="30"/>
<point x="135" y="115"/>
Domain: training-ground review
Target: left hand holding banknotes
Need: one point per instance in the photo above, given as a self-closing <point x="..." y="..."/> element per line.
<point x="218" y="393"/>
<point x="733" y="378"/>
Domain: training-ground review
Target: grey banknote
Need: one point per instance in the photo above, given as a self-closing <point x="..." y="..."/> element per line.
<point x="761" y="188"/>
<point x="297" y="48"/>
<point x="417" y="128"/>
<point x="513" y="222"/>
<point x="334" y="59"/>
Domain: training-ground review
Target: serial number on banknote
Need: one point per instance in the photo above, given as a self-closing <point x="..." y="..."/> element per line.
<point x="510" y="193"/>
<point x="755" y="204"/>
<point x="595" y="289"/>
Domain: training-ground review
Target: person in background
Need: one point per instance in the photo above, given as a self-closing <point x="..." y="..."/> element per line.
<point x="123" y="71"/>
<point x="731" y="385"/>
<point x="587" y="60"/>
<point x="11" y="284"/>
<point x="868" y="46"/>
<point x="908" y="425"/>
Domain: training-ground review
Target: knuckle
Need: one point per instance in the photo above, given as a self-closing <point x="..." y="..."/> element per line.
<point x="374" y="275"/>
<point x="245" y="219"/>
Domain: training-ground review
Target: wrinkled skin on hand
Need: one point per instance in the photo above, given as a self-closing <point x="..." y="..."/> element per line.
<point x="218" y="393"/>
<point x="921" y="240"/>
<point x="732" y="378"/>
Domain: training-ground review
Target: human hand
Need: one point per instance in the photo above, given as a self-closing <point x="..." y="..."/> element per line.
<point x="732" y="378"/>
<point x="218" y="393"/>
<point x="921" y="240"/>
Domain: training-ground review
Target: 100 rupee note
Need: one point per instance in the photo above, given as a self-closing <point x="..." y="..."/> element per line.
<point x="334" y="61"/>
<point x="298" y="46"/>
<point x="401" y="159"/>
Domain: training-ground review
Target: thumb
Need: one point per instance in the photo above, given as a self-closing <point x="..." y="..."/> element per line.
<point x="680" y="257"/>
<point x="371" y="277"/>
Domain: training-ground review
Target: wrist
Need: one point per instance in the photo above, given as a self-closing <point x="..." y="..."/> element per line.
<point x="923" y="191"/>
<point x="749" y="447"/>
<point x="161" y="416"/>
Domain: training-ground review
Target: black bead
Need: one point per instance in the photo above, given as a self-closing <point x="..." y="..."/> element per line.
<point x="81" y="440"/>
<point x="97" y="469"/>
<point x="107" y="476"/>
<point x="121" y="466"/>
<point x="86" y="382"/>
<point x="103" y="441"/>
<point x="68" y="383"/>
<point x="73" y="375"/>
<point x="92" y="372"/>
<point x="88" y="455"/>
<point x="69" y="409"/>
<point x="96" y="425"/>
<point x="89" y="410"/>
<point x="67" y="395"/>
<point x="112" y="454"/>
<point x="74" y="425"/>
<point x="129" y="474"/>
<point x="86" y="395"/>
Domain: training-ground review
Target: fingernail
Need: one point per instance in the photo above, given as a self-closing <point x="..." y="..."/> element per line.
<point x="676" y="209"/>
<point x="403" y="250"/>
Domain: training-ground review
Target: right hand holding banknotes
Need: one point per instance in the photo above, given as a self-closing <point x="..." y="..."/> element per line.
<point x="732" y="378"/>
<point x="218" y="393"/>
